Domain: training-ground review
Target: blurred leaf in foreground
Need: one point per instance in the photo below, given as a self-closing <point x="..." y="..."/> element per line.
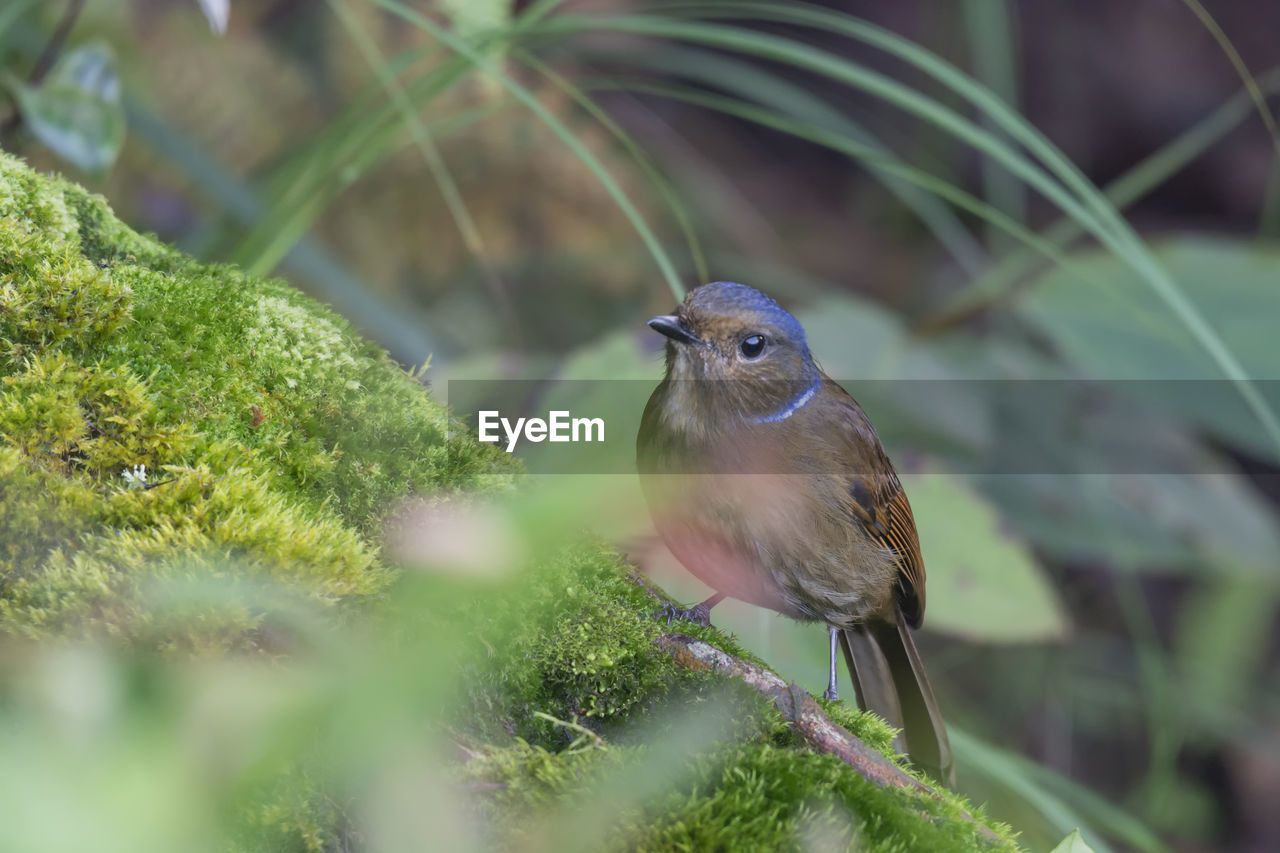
<point x="76" y="110"/>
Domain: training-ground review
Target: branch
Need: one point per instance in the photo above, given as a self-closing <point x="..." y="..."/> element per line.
<point x="810" y="723"/>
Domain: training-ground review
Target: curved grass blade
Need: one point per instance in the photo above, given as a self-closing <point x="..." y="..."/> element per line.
<point x="770" y="90"/>
<point x="1270" y="218"/>
<point x="826" y="64"/>
<point x="989" y="26"/>
<point x="1124" y="241"/>
<point x="453" y="200"/>
<point x="1004" y="769"/>
<point x="1237" y="62"/>
<point x="1075" y="195"/>
<point x="659" y="181"/>
<point x="1133" y="185"/>
<point x="525" y="97"/>
<point x="866" y="154"/>
<point x="1069" y="796"/>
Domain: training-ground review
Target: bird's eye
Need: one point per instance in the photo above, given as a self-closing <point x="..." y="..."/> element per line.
<point x="752" y="346"/>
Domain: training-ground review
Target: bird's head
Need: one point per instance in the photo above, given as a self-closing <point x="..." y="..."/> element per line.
<point x="739" y="346"/>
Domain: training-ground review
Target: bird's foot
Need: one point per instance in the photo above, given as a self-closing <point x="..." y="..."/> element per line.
<point x="699" y="613"/>
<point x="831" y="694"/>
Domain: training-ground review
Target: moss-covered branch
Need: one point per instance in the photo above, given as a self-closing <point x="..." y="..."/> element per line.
<point x="812" y="726"/>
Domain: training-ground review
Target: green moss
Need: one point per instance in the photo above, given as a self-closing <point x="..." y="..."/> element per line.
<point x="570" y="649"/>
<point x="574" y="639"/>
<point x="865" y="725"/>
<point x="272" y="440"/>
<point x="748" y="795"/>
<point x="575" y="645"/>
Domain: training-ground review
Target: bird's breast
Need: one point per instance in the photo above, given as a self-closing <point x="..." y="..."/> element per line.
<point x="747" y="524"/>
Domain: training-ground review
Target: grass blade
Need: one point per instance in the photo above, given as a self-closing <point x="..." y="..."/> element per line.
<point x="566" y="136"/>
<point x="770" y="90"/>
<point x="1237" y="62"/>
<point x="990" y="25"/>
<point x="659" y="181"/>
<point x="1006" y="770"/>
<point x="453" y="200"/>
<point x="865" y="154"/>
<point x="1130" y="187"/>
<point x="410" y="341"/>
<point x="1075" y="195"/>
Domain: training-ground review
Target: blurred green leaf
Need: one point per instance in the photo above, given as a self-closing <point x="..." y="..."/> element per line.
<point x="1015" y="774"/>
<point x="1087" y="470"/>
<point x="867" y="349"/>
<point x="1107" y="325"/>
<point x="76" y="110"/>
<point x="983" y="584"/>
<point x="11" y="12"/>
<point x="475" y="16"/>
<point x="618" y="355"/>
<point x="1217" y="640"/>
<point x="1073" y="843"/>
<point x="1127" y="486"/>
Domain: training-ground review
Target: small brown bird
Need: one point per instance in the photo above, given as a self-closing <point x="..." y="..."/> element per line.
<point x="769" y="484"/>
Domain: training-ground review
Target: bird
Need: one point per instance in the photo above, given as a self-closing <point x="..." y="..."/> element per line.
<point x="768" y="482"/>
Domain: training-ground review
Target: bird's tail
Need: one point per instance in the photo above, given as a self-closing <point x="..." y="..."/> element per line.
<point x="890" y="680"/>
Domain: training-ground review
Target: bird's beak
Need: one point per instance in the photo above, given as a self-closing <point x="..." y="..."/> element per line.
<point x="670" y="325"/>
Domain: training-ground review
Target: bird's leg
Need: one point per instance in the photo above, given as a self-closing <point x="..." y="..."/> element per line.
<point x="832" y="693"/>
<point x="700" y="613"/>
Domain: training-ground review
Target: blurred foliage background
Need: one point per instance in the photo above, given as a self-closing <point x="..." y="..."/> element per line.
<point x="970" y="205"/>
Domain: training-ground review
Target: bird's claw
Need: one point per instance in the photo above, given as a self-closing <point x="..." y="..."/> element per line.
<point x="698" y="614"/>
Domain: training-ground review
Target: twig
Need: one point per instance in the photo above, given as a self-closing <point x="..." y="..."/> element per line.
<point x="51" y="50"/>
<point x="809" y="721"/>
<point x="48" y="56"/>
<point x="100" y="431"/>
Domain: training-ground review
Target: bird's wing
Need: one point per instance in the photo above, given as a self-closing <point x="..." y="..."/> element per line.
<point x="877" y="501"/>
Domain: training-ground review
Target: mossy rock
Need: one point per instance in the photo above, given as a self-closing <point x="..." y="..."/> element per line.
<point x="163" y="420"/>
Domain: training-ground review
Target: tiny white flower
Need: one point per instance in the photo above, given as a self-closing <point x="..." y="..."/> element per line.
<point x="135" y="477"/>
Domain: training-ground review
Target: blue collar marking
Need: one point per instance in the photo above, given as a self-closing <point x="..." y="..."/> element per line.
<point x="794" y="406"/>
